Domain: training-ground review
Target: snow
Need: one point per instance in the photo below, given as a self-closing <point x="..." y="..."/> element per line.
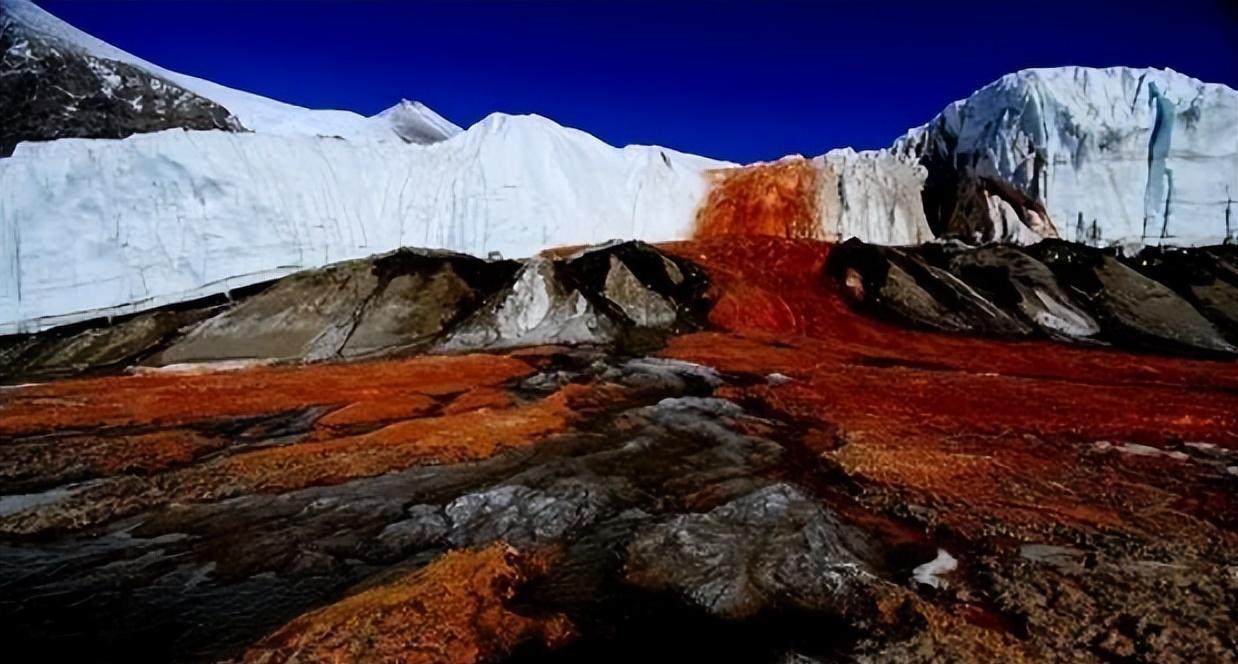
<point x="256" y="113"/>
<point x="930" y="573"/>
<point x="415" y="122"/>
<point x="1116" y="146"/>
<point x="92" y="227"/>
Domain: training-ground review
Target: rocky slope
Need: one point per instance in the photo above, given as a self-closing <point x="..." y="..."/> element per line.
<point x="51" y="90"/>
<point x="631" y="295"/>
<point x="58" y="53"/>
<point x="798" y="483"/>
<point x="623" y="294"/>
<point x="1176" y="300"/>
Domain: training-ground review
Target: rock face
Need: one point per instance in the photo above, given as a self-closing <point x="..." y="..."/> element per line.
<point x="390" y="304"/>
<point x="1054" y="288"/>
<point x="1115" y="156"/>
<point x="620" y="292"/>
<point x="51" y="89"/>
<point x="1132" y="309"/>
<point x="395" y="304"/>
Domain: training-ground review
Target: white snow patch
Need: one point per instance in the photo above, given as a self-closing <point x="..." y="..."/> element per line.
<point x="201" y="368"/>
<point x="930" y="573"/>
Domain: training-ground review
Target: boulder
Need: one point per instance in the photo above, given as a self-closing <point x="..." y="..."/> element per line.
<point x="771" y="549"/>
<point x="621" y="292"/>
<point x="1023" y="285"/>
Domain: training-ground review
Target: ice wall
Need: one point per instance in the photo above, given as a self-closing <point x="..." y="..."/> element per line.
<point x="92" y="227"/>
<point x="1131" y="156"/>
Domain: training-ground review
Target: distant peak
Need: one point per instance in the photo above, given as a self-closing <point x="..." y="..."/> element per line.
<point x="414" y="122"/>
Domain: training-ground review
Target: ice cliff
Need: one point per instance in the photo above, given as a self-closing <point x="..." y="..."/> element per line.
<point x="91" y="227"/>
<point x="1116" y="156"/>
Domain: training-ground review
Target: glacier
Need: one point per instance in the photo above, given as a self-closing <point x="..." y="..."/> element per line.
<point x="102" y="227"/>
<point x="95" y="227"/>
<point x="92" y="227"/>
<point x="1117" y="156"/>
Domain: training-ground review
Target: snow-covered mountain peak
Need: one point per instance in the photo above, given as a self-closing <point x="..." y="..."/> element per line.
<point x="255" y="113"/>
<point x="417" y="123"/>
<point x="34" y="20"/>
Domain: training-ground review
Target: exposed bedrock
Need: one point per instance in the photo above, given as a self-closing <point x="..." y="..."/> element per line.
<point x="770" y="549"/>
<point x="1207" y="279"/>
<point x="622" y="292"/>
<point x="335" y="551"/>
<point x="49" y="90"/>
<point x="1133" y="310"/>
<point x="1053" y="288"/>
<point x="386" y="304"/>
<point x="407" y="301"/>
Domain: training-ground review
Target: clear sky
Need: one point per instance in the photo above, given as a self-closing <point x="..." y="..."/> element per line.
<point x="735" y="80"/>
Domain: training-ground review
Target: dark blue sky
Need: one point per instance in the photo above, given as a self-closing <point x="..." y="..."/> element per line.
<point x="736" y="80"/>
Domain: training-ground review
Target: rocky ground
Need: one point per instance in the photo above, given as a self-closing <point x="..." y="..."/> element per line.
<point x="732" y="464"/>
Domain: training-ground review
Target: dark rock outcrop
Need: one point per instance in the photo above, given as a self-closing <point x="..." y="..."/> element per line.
<point x="1054" y="288"/>
<point x="1021" y="285"/>
<point x="898" y="284"/>
<point x="388" y="304"/>
<point x="773" y="548"/>
<point x="1133" y="310"/>
<point x="395" y="304"/>
<point x="1206" y="278"/>
<point x="52" y="90"/>
<point x="628" y="293"/>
